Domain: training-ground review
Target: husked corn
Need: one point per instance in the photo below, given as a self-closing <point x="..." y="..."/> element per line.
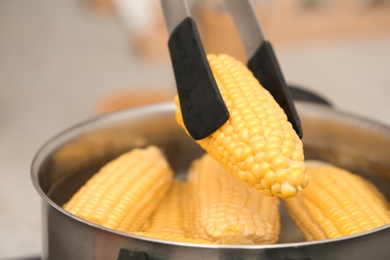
<point x="225" y="210"/>
<point x="337" y="203"/>
<point x="257" y="144"/>
<point x="125" y="192"/>
<point x="168" y="218"/>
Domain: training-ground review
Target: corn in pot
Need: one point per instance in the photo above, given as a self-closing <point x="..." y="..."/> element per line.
<point x="170" y="220"/>
<point x="125" y="192"/>
<point x="337" y="203"/>
<point x="225" y="210"/>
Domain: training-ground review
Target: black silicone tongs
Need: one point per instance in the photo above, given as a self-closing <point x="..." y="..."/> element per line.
<point x="201" y="103"/>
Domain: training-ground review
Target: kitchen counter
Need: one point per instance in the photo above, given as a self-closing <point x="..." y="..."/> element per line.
<point x="57" y="61"/>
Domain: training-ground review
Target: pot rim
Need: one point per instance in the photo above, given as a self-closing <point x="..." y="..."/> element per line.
<point x="118" y="116"/>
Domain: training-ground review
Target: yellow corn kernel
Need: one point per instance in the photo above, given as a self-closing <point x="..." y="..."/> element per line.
<point x="225" y="210"/>
<point x="257" y="138"/>
<point x="337" y="203"/>
<point x="125" y="192"/>
<point x="168" y="217"/>
<point x="170" y="220"/>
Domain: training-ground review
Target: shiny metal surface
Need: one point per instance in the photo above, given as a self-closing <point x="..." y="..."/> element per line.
<point x="247" y="23"/>
<point x="175" y="11"/>
<point x="68" y="160"/>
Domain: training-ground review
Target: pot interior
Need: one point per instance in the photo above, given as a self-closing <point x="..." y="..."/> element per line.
<point x="65" y="163"/>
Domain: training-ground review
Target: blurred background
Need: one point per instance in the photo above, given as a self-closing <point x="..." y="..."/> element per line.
<point x="65" y="61"/>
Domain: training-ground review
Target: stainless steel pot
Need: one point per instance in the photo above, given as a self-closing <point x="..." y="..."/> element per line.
<point x="64" y="163"/>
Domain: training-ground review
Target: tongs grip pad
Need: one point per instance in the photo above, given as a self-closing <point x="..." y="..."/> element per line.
<point x="265" y="68"/>
<point x="198" y="91"/>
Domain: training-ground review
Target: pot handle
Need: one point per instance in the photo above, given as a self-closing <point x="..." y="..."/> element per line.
<point x="299" y="93"/>
<point x="125" y="254"/>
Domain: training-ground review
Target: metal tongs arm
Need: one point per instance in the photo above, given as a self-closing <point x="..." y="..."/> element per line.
<point x="261" y="57"/>
<point x="201" y="103"/>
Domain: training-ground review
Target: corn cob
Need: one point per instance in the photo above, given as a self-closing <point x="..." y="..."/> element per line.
<point x="125" y="192"/>
<point x="225" y="210"/>
<point x="169" y="220"/>
<point x="337" y="203"/>
<point x="168" y="217"/>
<point x="257" y="144"/>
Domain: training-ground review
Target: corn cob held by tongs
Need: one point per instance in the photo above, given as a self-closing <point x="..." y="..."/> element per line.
<point x="201" y="103"/>
<point x="235" y="119"/>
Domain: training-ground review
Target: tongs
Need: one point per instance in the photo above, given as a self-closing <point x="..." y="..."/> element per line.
<point x="201" y="103"/>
